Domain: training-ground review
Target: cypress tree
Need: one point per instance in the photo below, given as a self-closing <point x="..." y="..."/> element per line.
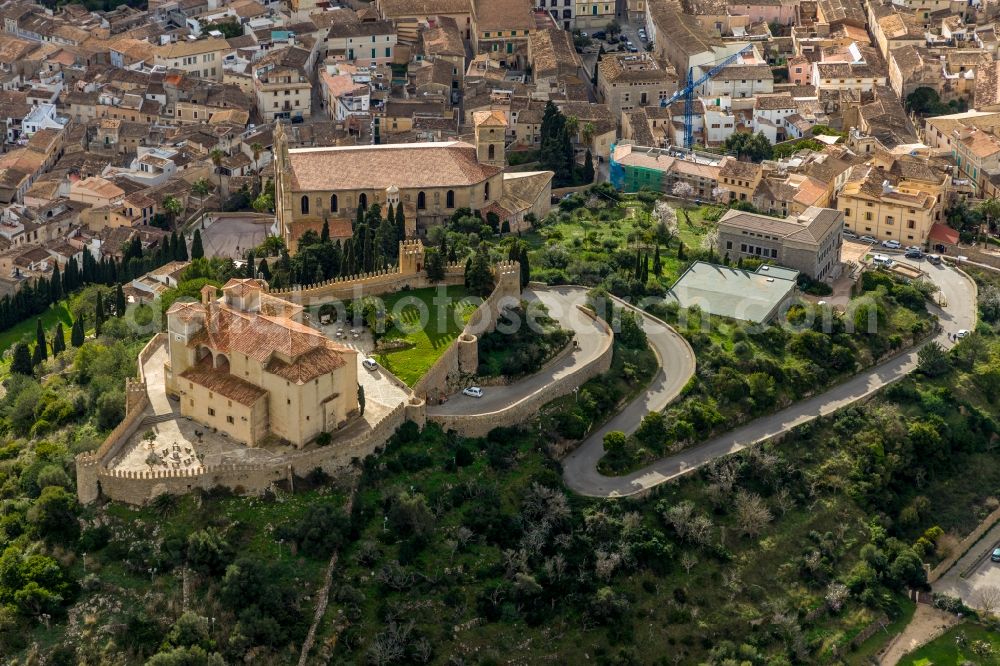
<point x="197" y="251"/>
<point x="400" y="221"/>
<point x="55" y="285"/>
<point x="588" y="168"/>
<point x="22" y="360"/>
<point x="173" y="245"/>
<point x="645" y="269"/>
<point x="657" y="266"/>
<point x="120" y="303"/>
<point x="182" y="248"/>
<point x="680" y="251"/>
<point x="59" y="341"/>
<point x="468" y="269"/>
<point x="76" y="335"/>
<point x="324" y="236"/>
<point x="98" y="314"/>
<point x="452" y="255"/>
<point x="637" y="269"/>
<point x="525" y="268"/>
<point x="360" y="218"/>
<point x="41" y="345"/>
<point x="264" y="269"/>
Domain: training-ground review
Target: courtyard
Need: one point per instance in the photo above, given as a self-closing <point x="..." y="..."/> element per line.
<point x="231" y="236"/>
<point x="167" y="441"/>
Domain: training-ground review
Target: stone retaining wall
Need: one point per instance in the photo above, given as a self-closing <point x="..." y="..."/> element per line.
<point x="478" y="425"/>
<point x="456" y="362"/>
<point x="964" y="546"/>
<point x="138" y="487"/>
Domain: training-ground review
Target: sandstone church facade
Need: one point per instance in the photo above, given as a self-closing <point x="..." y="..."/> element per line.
<point x="246" y="365"/>
<point x="430" y="180"/>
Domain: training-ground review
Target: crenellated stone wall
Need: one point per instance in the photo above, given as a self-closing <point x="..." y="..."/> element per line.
<point x="409" y="274"/>
<point x="461" y="358"/>
<point x="140" y="486"/>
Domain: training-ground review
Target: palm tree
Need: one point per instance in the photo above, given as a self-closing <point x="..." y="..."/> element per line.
<point x="217" y="157"/>
<point x="572" y="125"/>
<point x="257" y="149"/>
<point x="202" y="187"/>
<point x="587" y="133"/>
<point x="990" y="211"/>
<point x="173" y="207"/>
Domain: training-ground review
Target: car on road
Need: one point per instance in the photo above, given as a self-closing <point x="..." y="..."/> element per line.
<point x="473" y="392"/>
<point x="892" y="244"/>
<point x="632" y="49"/>
<point x="849" y="234"/>
<point x="996" y="555"/>
<point x="600" y="34"/>
<point x="882" y="260"/>
<point x="867" y="239"/>
<point x="369" y="363"/>
<point x="913" y="254"/>
<point x="962" y="333"/>
<point x="934" y="259"/>
<point x="914" y="247"/>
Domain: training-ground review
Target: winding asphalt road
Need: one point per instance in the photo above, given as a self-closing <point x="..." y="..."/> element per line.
<point x="592" y="340"/>
<point x="958" y="299"/>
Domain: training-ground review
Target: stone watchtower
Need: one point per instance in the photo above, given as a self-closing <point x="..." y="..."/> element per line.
<point x="491" y="137"/>
<point x="411" y="256"/>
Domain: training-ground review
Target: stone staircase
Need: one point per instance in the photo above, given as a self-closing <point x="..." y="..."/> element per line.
<point x="158" y="418"/>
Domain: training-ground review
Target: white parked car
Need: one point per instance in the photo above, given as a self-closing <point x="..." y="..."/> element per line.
<point x="910" y="248"/>
<point x="473" y="392"/>
<point x="892" y="244"/>
<point x="369" y="363"/>
<point x="882" y="260"/>
<point x="962" y="333"/>
<point x="867" y="239"/>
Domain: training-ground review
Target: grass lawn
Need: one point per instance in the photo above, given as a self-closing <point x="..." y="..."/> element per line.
<point x="25" y="331"/>
<point x="959" y="645"/>
<point x="426" y="340"/>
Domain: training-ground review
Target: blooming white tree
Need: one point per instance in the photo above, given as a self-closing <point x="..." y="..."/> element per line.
<point x="683" y="190"/>
<point x="720" y="194"/>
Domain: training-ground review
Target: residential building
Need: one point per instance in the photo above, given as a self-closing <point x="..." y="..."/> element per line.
<point x="740" y="179"/>
<point x="563" y="12"/>
<point x="501" y="28"/>
<point x="594" y="14"/>
<point x="282" y="85"/>
<point x="808" y="242"/>
<point x="553" y="60"/>
<point x="890" y="204"/>
<point x="444" y="42"/>
<point x="363" y="42"/>
<point x="626" y="82"/>
<point x="246" y="365"/>
<point x="202" y="58"/>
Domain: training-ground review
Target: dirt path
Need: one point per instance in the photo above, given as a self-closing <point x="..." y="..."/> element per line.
<point x="927" y="624"/>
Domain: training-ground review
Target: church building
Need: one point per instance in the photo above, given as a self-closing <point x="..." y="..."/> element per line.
<point x="246" y="365"/>
<point x="430" y="180"/>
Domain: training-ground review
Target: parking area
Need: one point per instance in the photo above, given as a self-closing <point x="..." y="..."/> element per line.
<point x="981" y="573"/>
<point x="232" y="236"/>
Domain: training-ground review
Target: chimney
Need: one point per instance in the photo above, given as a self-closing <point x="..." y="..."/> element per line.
<point x="207" y="295"/>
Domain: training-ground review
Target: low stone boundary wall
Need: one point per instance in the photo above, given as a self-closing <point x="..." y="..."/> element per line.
<point x="964" y="546"/>
<point x="478" y="425"/>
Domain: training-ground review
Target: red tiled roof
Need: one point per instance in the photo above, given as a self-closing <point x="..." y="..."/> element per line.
<point x="942" y="233"/>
